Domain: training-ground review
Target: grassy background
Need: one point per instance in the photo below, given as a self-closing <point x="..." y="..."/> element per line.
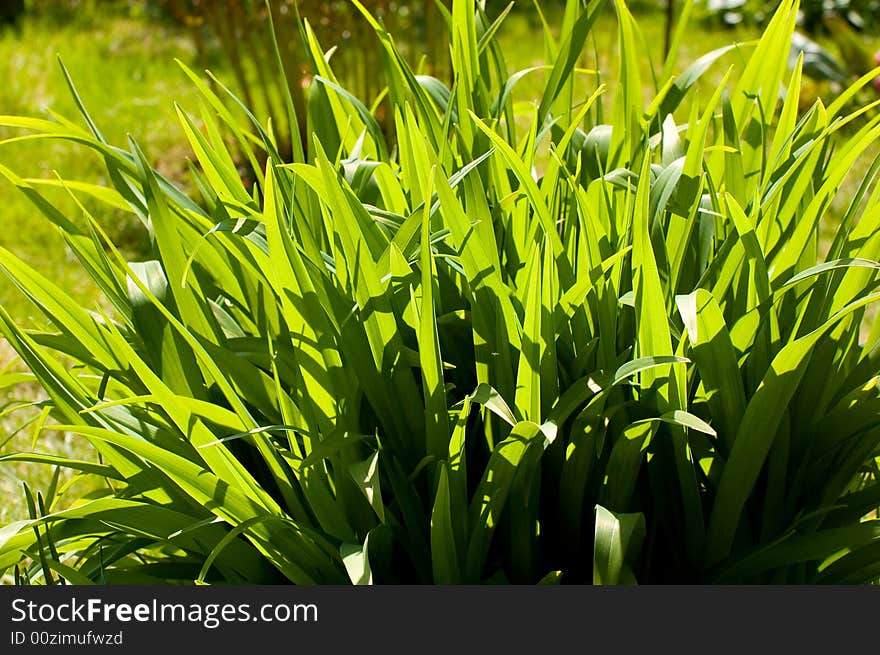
<point x="125" y="72"/>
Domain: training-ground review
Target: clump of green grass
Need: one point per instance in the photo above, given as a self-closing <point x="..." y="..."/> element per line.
<point x="419" y="359"/>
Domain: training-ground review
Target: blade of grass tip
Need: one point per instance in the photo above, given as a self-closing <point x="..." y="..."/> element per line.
<point x="356" y="559"/>
<point x="785" y="127"/>
<point x="366" y="476"/>
<point x="618" y="538"/>
<point x="79" y="103"/>
<point x="444" y="552"/>
<point x="549" y="40"/>
<point x="628" y="104"/>
<point x="32" y="512"/>
<point x="218" y="167"/>
<point x="489" y="33"/>
<point x="690" y="76"/>
<point x="53" y="550"/>
<point x="245" y="138"/>
<point x="266" y="141"/>
<point x="283" y="80"/>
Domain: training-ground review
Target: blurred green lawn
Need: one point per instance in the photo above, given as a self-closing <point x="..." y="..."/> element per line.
<point x="126" y="74"/>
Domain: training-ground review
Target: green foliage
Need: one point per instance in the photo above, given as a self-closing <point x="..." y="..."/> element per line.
<point x="605" y="348"/>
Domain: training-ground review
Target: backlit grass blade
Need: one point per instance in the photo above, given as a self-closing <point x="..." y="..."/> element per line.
<point x="628" y="98"/>
<point x="617" y="542"/>
<point x="436" y="418"/>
